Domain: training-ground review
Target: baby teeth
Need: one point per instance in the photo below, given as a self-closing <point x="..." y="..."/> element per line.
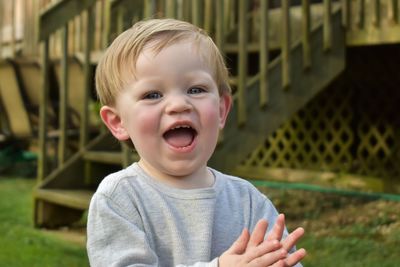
<point x="181" y="126"/>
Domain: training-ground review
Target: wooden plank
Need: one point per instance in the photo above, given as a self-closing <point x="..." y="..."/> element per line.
<point x="104" y="157"/>
<point x="374" y="36"/>
<point x="286" y="41"/>
<point x="241" y="92"/>
<point x="327" y="25"/>
<point x="72" y="198"/>
<point x="58" y="14"/>
<point x="43" y="118"/>
<point x="13" y="103"/>
<point x="264" y="54"/>
<point x="305" y="32"/>
<point x="62" y="142"/>
<point x="84" y="127"/>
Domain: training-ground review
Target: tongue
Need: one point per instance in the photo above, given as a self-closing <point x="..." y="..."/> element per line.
<point x="179" y="137"/>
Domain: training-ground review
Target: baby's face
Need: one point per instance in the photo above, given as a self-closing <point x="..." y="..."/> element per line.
<point x="172" y="111"/>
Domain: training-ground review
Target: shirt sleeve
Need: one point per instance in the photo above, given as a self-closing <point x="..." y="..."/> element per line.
<point x="116" y="238"/>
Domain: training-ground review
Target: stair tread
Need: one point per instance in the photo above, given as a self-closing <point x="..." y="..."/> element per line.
<point x="73" y="198"/>
<point x="113" y="157"/>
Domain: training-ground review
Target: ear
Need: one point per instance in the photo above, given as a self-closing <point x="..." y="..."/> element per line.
<point x="225" y="104"/>
<point x="113" y="122"/>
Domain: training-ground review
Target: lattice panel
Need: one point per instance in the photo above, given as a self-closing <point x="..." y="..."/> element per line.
<point x="317" y="137"/>
<point x="378" y="151"/>
<point x="353" y="130"/>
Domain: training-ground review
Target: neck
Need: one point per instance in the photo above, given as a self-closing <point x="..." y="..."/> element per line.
<point x="202" y="178"/>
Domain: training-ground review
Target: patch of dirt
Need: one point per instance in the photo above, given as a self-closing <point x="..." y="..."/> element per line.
<point x="321" y="213"/>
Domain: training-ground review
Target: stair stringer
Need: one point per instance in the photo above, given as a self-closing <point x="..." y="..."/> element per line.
<point x="72" y="173"/>
<point x="238" y="142"/>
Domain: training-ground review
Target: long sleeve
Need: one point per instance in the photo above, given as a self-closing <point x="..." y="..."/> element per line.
<point x="116" y="239"/>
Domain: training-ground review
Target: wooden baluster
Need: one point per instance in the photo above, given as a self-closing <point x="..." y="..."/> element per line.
<point x="148" y="9"/>
<point x="42" y="142"/>
<point x="62" y="142"/>
<point x="285" y="52"/>
<point x="84" y="129"/>
<point x="264" y="53"/>
<point x="327" y="27"/>
<point x="242" y="62"/>
<point x="120" y="18"/>
<point x="106" y="23"/>
<point x="170" y="8"/>
<point x="208" y="15"/>
<point x="361" y="14"/>
<point x="35" y="33"/>
<point x="228" y="8"/>
<point x="219" y="27"/>
<point x="1" y="27"/>
<point x="98" y="28"/>
<point x="179" y="10"/>
<point x="196" y="13"/>
<point x="71" y="39"/>
<point x="377" y="13"/>
<point x="306" y="29"/>
<point x="13" y="28"/>
<point x="395" y="11"/>
<point x="348" y="9"/>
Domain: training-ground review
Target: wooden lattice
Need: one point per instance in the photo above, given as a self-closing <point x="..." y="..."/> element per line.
<point x="345" y="128"/>
<point x="378" y="131"/>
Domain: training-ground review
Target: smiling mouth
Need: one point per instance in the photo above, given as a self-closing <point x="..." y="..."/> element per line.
<point x="180" y="136"/>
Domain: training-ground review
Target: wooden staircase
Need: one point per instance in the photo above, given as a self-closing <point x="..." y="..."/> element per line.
<point x="292" y="78"/>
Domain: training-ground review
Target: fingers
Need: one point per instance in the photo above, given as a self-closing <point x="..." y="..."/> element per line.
<point x="277" y="231"/>
<point x="257" y="237"/>
<point x="292" y="238"/>
<point x="269" y="258"/>
<point x="239" y="246"/>
<point x="295" y="257"/>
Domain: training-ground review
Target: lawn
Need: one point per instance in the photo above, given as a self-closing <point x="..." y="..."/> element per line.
<point x="23" y="245"/>
<point x="340" y="231"/>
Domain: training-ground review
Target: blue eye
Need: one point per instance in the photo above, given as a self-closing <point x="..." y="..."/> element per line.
<point x="196" y="90"/>
<point x="152" y="95"/>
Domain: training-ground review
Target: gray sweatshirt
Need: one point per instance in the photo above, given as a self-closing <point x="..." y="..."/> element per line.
<point x="134" y="220"/>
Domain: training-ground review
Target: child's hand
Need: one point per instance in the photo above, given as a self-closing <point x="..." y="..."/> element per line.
<point x="289" y="242"/>
<point x="253" y="250"/>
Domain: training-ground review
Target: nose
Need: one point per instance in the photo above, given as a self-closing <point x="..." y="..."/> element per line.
<point x="178" y="103"/>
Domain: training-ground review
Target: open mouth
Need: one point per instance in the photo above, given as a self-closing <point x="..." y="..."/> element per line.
<point x="180" y="136"/>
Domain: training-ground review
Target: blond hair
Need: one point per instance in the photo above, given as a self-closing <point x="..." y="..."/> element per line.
<point x="117" y="66"/>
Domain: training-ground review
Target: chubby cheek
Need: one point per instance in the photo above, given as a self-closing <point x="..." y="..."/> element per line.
<point x="143" y="124"/>
<point x="211" y="119"/>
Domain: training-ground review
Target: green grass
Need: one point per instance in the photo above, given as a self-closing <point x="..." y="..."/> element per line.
<point x="23" y="245"/>
<point x="350" y="251"/>
<point x="343" y="231"/>
<point x="340" y="232"/>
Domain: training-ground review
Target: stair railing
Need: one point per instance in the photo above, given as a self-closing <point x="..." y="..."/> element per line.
<point x="57" y="16"/>
<point x="371" y="22"/>
<point x="219" y="18"/>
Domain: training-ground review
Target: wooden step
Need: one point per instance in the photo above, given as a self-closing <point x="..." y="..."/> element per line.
<point x="72" y="198"/>
<point x="104" y="157"/>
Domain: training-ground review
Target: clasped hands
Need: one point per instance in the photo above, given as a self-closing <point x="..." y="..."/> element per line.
<point x="253" y="250"/>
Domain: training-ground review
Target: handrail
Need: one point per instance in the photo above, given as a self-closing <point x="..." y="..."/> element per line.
<point x="57" y="14"/>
